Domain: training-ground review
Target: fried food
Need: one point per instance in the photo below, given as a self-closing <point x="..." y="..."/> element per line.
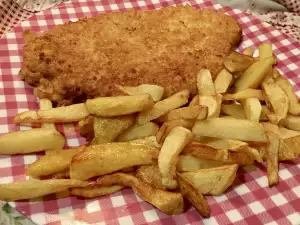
<point x="165" y="47"/>
<point x="91" y="192"/>
<point x="150" y="174"/>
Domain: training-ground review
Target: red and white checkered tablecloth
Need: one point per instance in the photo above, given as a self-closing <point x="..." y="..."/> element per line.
<point x="250" y="201"/>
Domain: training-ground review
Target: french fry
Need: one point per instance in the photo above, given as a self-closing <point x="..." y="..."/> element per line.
<point x="166" y="128"/>
<point x="46" y="104"/>
<point x="55" y="162"/>
<point x="244" y="94"/>
<point x="189" y="113"/>
<point x="264" y="112"/>
<point x="286" y="86"/>
<point x="230" y="128"/>
<point x="28" y="141"/>
<point x="147" y="141"/>
<point x="155" y="91"/>
<point x="235" y="110"/>
<point x="64" y="114"/>
<point x="277" y="99"/>
<point x="162" y="107"/>
<point x="272" y="157"/>
<point x="265" y="51"/>
<point x="170" y="203"/>
<point x="107" y="129"/>
<point x="213" y="103"/>
<point x="213" y="181"/>
<point x="150" y="174"/>
<point x="248" y="51"/>
<point x="289" y="144"/>
<point x="91" y="192"/>
<point x="237" y="62"/>
<point x="292" y="122"/>
<point x="36" y="188"/>
<point x="228" y="144"/>
<point x="252" y="109"/>
<point x="188" y="163"/>
<point x="254" y="75"/>
<point x="193" y="195"/>
<point x="98" y="160"/>
<point x="223" y="81"/>
<point x="195" y="101"/>
<point x="205" y="83"/>
<point x="276" y="73"/>
<point x="176" y="140"/>
<point x="139" y="132"/>
<point x="120" y="105"/>
<point x="86" y="128"/>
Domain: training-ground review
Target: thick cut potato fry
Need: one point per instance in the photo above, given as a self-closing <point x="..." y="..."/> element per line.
<point x="241" y="156"/>
<point x="292" y="122"/>
<point x="252" y="109"/>
<point x="46" y="104"/>
<point x="265" y="51"/>
<point x="213" y="181"/>
<point x="276" y="73"/>
<point x="162" y="107"/>
<point x="230" y="128"/>
<point x="139" y="132"/>
<point x="107" y="129"/>
<point x="272" y="157"/>
<point x="189" y="113"/>
<point x="248" y="51"/>
<point x="277" y="99"/>
<point x="193" y="195"/>
<point x="205" y="83"/>
<point x="166" y="128"/>
<point x="28" y="141"/>
<point x="176" y="140"/>
<point x="64" y="114"/>
<point x="170" y="203"/>
<point x="120" y="105"/>
<point x="150" y="174"/>
<point x="264" y="112"/>
<point x="55" y="162"/>
<point x="237" y="62"/>
<point x="91" y="192"/>
<point x="213" y="103"/>
<point x="254" y="75"/>
<point x="235" y="110"/>
<point x="98" y="160"/>
<point x="223" y="81"/>
<point x="36" y="188"/>
<point x="286" y="86"/>
<point x="228" y="144"/>
<point x="244" y="94"/>
<point x="188" y="163"/>
<point x="156" y="92"/>
<point x="86" y="128"/>
<point x="147" y="141"/>
<point x="195" y="101"/>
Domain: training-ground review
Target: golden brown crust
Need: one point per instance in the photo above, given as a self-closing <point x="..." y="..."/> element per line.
<point x="167" y="47"/>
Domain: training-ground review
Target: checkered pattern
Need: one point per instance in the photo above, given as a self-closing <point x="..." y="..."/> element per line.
<point x="250" y="201"/>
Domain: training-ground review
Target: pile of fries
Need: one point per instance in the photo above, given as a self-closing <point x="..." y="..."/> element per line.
<point x="166" y="150"/>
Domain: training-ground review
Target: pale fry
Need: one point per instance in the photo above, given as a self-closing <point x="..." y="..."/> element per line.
<point x="213" y="181"/>
<point x="155" y="91"/>
<point x="272" y="157"/>
<point x="46" y="104"/>
<point x="176" y="140"/>
<point x="276" y="73"/>
<point x="28" y="141"/>
<point x="36" y="188"/>
<point x="64" y="114"/>
<point x="223" y="81"/>
<point x="254" y="75"/>
<point x="112" y="157"/>
<point x="292" y="122"/>
<point x="107" y="129"/>
<point x="248" y="51"/>
<point x="244" y="94"/>
<point x="189" y="113"/>
<point x="235" y="110"/>
<point x="265" y="51"/>
<point x="205" y="83"/>
<point x="213" y="103"/>
<point x="170" y="203"/>
<point x="150" y="174"/>
<point x="162" y="107"/>
<point x="147" y="141"/>
<point x="264" y="112"/>
<point x="193" y="195"/>
<point x="91" y="192"/>
<point x="230" y="128"/>
<point x="120" y="105"/>
<point x="54" y="162"/>
<point x="195" y="101"/>
<point x="289" y="144"/>
<point x="252" y="109"/>
<point x="277" y="99"/>
<point x="237" y="62"/>
<point x="139" y="132"/>
<point x="187" y="163"/>
<point x="286" y="86"/>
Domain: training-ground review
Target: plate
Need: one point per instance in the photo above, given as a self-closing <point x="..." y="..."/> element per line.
<point x="250" y="201"/>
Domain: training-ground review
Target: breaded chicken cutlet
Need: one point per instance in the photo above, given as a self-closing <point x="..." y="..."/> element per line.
<point x="167" y="47"/>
